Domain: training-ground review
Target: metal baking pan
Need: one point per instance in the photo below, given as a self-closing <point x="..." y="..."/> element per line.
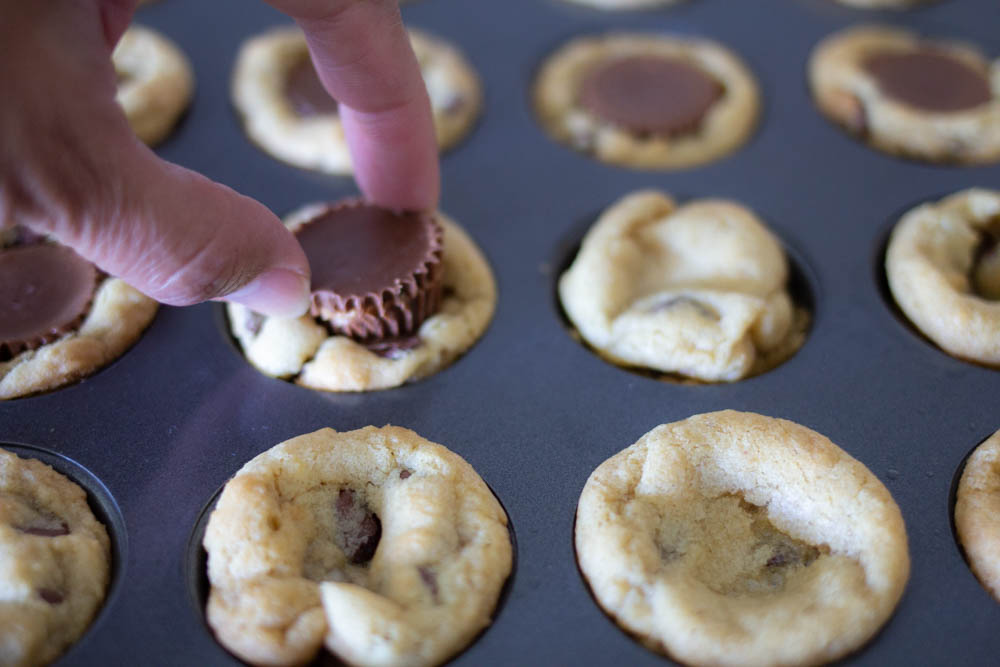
<point x="534" y="412"/>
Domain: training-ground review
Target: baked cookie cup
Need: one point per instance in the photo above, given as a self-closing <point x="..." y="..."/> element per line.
<point x="287" y="112"/>
<point x="55" y="562"/>
<point x="61" y="319"/>
<point x="943" y="268"/>
<point x="647" y="101"/>
<point x="374" y="341"/>
<point x="155" y="82"/>
<point x="920" y="98"/>
<point x="977" y="513"/>
<point x="698" y="290"/>
<point x="731" y="538"/>
<point x="383" y="547"/>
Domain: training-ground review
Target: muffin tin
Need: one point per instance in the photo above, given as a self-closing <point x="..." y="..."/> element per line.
<point x="156" y="434"/>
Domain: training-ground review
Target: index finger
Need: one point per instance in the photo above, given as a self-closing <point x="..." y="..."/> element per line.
<point x="364" y="59"/>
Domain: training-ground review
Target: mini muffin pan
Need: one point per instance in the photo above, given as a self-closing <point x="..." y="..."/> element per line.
<point x="157" y="433"/>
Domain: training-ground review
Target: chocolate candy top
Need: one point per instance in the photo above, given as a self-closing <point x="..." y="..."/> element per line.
<point x="929" y="79"/>
<point x="45" y="290"/>
<point x="650" y="94"/>
<point x="375" y="273"/>
<point x="305" y="91"/>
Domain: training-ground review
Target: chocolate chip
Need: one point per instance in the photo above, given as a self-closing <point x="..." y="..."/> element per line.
<point x="985" y="271"/>
<point x="782" y="556"/>
<point x="51" y="596"/>
<point x="685" y="301"/>
<point x="404" y="474"/>
<point x="668" y="553"/>
<point x="46" y="531"/>
<point x="429" y="578"/>
<point x="393" y="348"/>
<point x="360" y="528"/>
<point x="930" y="79"/>
<point x="253" y="322"/>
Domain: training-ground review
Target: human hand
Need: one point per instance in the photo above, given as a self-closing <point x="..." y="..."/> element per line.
<point x="71" y="167"/>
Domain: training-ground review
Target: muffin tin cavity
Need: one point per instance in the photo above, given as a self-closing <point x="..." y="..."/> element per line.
<point x="800" y="287"/>
<point x="198" y="586"/>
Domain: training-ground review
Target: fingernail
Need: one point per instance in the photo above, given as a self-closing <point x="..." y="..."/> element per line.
<point x="276" y="293"/>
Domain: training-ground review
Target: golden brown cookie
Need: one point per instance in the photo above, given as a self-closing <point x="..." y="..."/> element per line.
<point x="648" y="101"/>
<point x="319" y="352"/>
<point x="977" y="513"/>
<point x="155" y="82"/>
<point x="55" y="561"/>
<point x="907" y="95"/>
<point x="943" y="267"/>
<point x="698" y="290"/>
<point x="287" y="112"/>
<point x="730" y="538"/>
<point x="60" y="318"/>
<point x="384" y="547"/>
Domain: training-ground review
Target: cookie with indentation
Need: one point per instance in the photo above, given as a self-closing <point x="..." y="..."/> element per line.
<point x="55" y="559"/>
<point x="155" y="82"/>
<point x="647" y="101"/>
<point x="943" y="267"/>
<point x="287" y="112"/>
<point x="445" y="307"/>
<point x="904" y="94"/>
<point x="698" y="290"/>
<point x="384" y="547"/>
<point x="60" y="318"/>
<point x="977" y="513"/>
<point x="731" y="538"/>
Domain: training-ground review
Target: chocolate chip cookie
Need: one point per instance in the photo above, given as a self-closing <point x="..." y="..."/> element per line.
<point x="904" y="94"/>
<point x="384" y="547"/>
<point x="396" y="297"/>
<point x="155" y="82"/>
<point x="54" y="562"/>
<point x="943" y="267"/>
<point x="60" y="318"/>
<point x="698" y="290"/>
<point x="977" y="513"/>
<point x="288" y="113"/>
<point x="648" y="101"/>
<point x="730" y="538"/>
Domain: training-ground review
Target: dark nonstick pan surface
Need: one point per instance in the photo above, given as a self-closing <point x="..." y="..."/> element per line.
<point x="156" y="434"/>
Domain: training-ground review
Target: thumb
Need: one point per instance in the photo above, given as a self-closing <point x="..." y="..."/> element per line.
<point x="181" y="239"/>
<point x="71" y="166"/>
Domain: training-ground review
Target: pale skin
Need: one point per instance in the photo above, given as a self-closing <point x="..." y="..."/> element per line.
<point x="70" y="166"/>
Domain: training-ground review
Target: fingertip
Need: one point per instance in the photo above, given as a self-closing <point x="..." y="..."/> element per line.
<point x="276" y="293"/>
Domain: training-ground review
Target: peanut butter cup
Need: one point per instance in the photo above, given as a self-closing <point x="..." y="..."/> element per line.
<point x="45" y="292"/>
<point x="929" y="80"/>
<point x="305" y="91"/>
<point x="376" y="274"/>
<point x="650" y="94"/>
